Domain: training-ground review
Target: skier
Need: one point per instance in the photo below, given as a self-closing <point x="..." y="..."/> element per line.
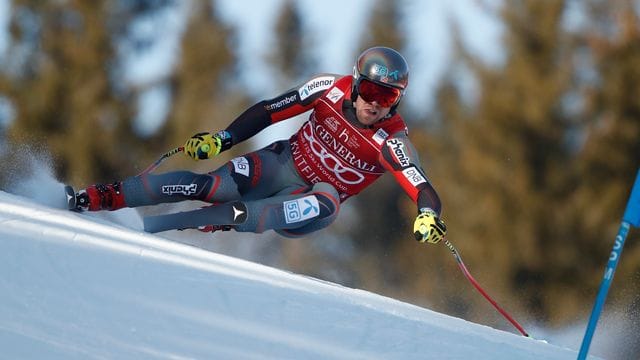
<point x="296" y="186"/>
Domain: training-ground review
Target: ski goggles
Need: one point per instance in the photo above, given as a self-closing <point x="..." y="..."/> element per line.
<point x="385" y="96"/>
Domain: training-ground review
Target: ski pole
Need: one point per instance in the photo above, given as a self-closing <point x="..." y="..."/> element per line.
<point x="473" y="281"/>
<point x="631" y="217"/>
<point x="161" y="159"/>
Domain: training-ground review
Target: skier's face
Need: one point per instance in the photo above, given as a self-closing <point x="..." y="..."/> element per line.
<point x="370" y="113"/>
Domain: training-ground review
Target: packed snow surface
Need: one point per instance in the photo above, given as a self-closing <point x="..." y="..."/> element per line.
<point x="75" y="286"/>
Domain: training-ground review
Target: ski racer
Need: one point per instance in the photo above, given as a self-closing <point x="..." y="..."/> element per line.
<point x="352" y="136"/>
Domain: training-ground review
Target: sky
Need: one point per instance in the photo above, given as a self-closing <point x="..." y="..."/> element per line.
<point x="79" y="286"/>
<point x="4" y="24"/>
<point x="428" y="50"/>
<point x="6" y="111"/>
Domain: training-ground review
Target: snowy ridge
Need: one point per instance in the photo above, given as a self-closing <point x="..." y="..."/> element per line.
<point x="77" y="286"/>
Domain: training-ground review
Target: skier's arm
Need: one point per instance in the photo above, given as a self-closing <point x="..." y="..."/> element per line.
<point x="295" y="101"/>
<point x="399" y="156"/>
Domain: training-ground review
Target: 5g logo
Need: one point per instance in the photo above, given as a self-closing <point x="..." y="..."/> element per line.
<point x="301" y="209"/>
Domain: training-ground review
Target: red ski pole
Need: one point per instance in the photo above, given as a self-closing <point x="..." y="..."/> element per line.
<point x="473" y="281"/>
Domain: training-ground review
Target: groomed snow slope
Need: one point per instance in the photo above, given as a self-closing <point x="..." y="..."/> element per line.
<point x="78" y="287"/>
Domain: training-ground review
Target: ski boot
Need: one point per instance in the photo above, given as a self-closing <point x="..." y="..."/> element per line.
<point x="96" y="197"/>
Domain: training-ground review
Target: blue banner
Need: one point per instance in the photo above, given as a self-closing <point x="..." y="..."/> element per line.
<point x="632" y="213"/>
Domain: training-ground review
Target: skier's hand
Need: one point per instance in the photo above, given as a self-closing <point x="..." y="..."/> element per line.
<point x="428" y="227"/>
<point x="203" y="145"/>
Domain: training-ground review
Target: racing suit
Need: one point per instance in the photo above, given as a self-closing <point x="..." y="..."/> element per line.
<point x="296" y="186"/>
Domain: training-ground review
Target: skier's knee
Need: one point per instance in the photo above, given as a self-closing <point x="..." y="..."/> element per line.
<point x="328" y="199"/>
<point x="328" y="204"/>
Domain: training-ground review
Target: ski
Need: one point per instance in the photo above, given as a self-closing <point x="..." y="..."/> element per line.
<point x="232" y="213"/>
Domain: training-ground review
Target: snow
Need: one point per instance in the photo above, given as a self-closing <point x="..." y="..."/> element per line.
<point x="81" y="286"/>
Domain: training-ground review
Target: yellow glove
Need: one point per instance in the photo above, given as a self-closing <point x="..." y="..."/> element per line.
<point x="205" y="145"/>
<point x="428" y="227"/>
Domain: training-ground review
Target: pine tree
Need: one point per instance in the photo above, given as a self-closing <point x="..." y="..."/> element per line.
<point x="608" y="161"/>
<point x="202" y="97"/>
<point x="60" y="86"/>
<point x="510" y="165"/>
<point x="291" y="55"/>
<point x="533" y="180"/>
